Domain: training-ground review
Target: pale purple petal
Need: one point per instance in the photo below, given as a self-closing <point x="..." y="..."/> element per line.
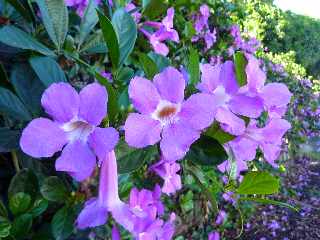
<point x="210" y="78"/>
<point x="93" y="103"/>
<point x="230" y="122"/>
<point x="115" y="234"/>
<point x="214" y="236"/>
<point x="92" y="215"/>
<point x="143" y="94"/>
<point x="198" y="111"/>
<point x="176" y="141"/>
<point x="228" y="77"/>
<point x="246" y="106"/>
<point x="244" y="148"/>
<point x="271" y="152"/>
<point x="141" y="130"/>
<point x="275" y="129"/>
<point x="77" y="159"/>
<point x="168" y="20"/>
<point x="170" y="84"/>
<point x="42" y="138"/>
<point x="256" y="77"/>
<point x="61" y="102"/>
<point x="240" y="166"/>
<point x="103" y="140"/>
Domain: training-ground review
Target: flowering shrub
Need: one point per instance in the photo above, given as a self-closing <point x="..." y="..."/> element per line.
<point x="150" y="104"/>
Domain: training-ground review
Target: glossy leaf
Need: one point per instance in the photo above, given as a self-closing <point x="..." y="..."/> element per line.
<point x="3" y="210"/>
<point x="48" y="70"/>
<point x="54" y="190"/>
<point x="15" y="37"/>
<point x="39" y="206"/>
<point x="54" y="14"/>
<point x="21" y="226"/>
<point x="19" y="203"/>
<point x="194" y="66"/>
<point x="126" y="30"/>
<point x="150" y="68"/>
<point x="10" y="105"/>
<point x="5" y="227"/>
<point x="259" y="183"/>
<point x="9" y="139"/>
<point x="24" y="12"/>
<point x="88" y="21"/>
<point x="62" y="223"/>
<point x="153" y="8"/>
<point x="216" y="132"/>
<point x="240" y="63"/>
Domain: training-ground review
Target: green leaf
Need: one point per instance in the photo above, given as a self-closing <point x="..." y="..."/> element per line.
<point x="130" y="159"/>
<point x="240" y="63"/>
<point x="28" y="87"/>
<point x="258" y="183"/>
<point x="88" y="21"/>
<point x="25" y="13"/>
<point x="39" y="207"/>
<point x="150" y="68"/>
<point x="94" y="44"/>
<point x="4" y="80"/>
<point x="268" y="201"/>
<point x="21" y="226"/>
<point x="11" y="105"/>
<point x="194" y="66"/>
<point x="186" y="202"/>
<point x="48" y="70"/>
<point x="125" y="74"/>
<point x="207" y="152"/>
<point x="62" y="223"/>
<point x="3" y="210"/>
<point x="126" y="30"/>
<point x="216" y="132"/>
<point x="54" y="14"/>
<point x="15" y="37"/>
<point x="54" y="190"/>
<point x="24" y="181"/>
<point x="154" y="8"/>
<point x="19" y="203"/>
<point x="161" y="61"/>
<point x="111" y="39"/>
<point x="9" y="139"/>
<point x="124" y="101"/>
<point x="5" y="227"/>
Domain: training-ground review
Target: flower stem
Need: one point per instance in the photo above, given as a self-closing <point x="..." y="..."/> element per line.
<point x="15" y="161"/>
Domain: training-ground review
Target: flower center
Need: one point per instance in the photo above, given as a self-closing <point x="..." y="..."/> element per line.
<point x="221" y="97"/>
<point x="77" y="130"/>
<point x="166" y="112"/>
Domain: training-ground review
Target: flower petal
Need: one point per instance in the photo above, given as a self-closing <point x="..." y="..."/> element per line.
<point x="244" y="148"/>
<point x="198" y="111"/>
<point x="255" y="76"/>
<point x="141" y="130"/>
<point x="228" y="77"/>
<point x="176" y="141"/>
<point x="93" y="103"/>
<point x="61" y="102"/>
<point x="77" y="159"/>
<point x="210" y="78"/>
<point x="246" y="106"/>
<point x="144" y="95"/>
<point x="274" y="130"/>
<point x="170" y="84"/>
<point x="92" y="215"/>
<point x="158" y="46"/>
<point x="271" y="152"/>
<point x="42" y="138"/>
<point x="230" y="122"/>
<point x="103" y="140"/>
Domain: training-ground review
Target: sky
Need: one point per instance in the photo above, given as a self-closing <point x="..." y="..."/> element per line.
<point x="305" y="7"/>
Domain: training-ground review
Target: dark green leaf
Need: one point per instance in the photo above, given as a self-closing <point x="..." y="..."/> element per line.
<point x="124" y="100"/>
<point x="126" y="30"/>
<point x="3" y="210"/>
<point x="88" y="21"/>
<point x="125" y="74"/>
<point x="19" y="203"/>
<point x="4" y="80"/>
<point x="258" y="183"/>
<point x="28" y="87"/>
<point x="130" y="159"/>
<point x="48" y="70"/>
<point x="54" y="190"/>
<point x="62" y="223"/>
<point x="150" y="68"/>
<point x="240" y="63"/>
<point x="15" y="37"/>
<point x="21" y="226"/>
<point x="9" y="139"/>
<point x="216" y="132"/>
<point x="161" y="61"/>
<point x="207" y="151"/>
<point x="154" y="8"/>
<point x="5" y="227"/>
<point x="111" y="39"/>
<point x="39" y="206"/>
<point x="268" y="201"/>
<point x="194" y="66"/>
<point x="54" y="14"/>
<point x="186" y="202"/>
<point x="24" y="181"/>
<point x="25" y="13"/>
<point x="94" y="44"/>
<point x="11" y="106"/>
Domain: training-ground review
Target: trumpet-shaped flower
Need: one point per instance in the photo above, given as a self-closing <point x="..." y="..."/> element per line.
<point x="165" y="115"/>
<point x="136" y="14"/>
<point x="80" y="5"/>
<point x="220" y="81"/>
<point x="74" y="125"/>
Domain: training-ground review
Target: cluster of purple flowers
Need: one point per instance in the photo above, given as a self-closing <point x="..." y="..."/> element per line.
<point x="80" y="5"/>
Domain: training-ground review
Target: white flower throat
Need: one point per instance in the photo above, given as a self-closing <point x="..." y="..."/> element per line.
<point x="166" y="112"/>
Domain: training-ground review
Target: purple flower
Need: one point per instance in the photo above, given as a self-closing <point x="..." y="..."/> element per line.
<point x="81" y="5"/>
<point x="214" y="236"/>
<point x="165" y="115"/>
<point x="136" y="14"/>
<point x="249" y="46"/>
<point x="115" y="234"/>
<point x="107" y="75"/>
<point x="165" y="31"/>
<point x="168" y="172"/>
<point x="268" y="139"/>
<point x="221" y="217"/>
<point x="220" y="81"/>
<point x="75" y="120"/>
